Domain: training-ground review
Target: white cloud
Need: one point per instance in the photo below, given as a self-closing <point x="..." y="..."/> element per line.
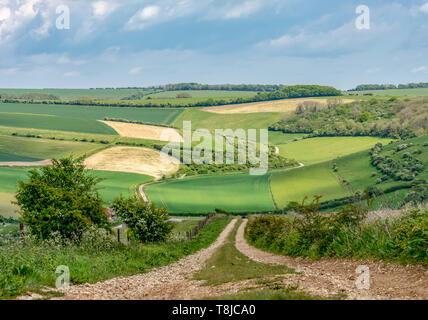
<point x="71" y="74"/>
<point x="143" y="18"/>
<point x="167" y="10"/>
<point x="4" y="13"/>
<point x="419" y="69"/>
<point x="424" y="8"/>
<point x="64" y="59"/>
<point x="309" y="40"/>
<point x="135" y="70"/>
<point x="101" y="9"/>
<point x="243" y="9"/>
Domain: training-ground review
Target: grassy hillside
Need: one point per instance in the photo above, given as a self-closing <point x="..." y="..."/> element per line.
<point x="211" y="121"/>
<point x="72" y="94"/>
<point x="295" y="184"/>
<point x="49" y="122"/>
<point x="153" y="115"/>
<point x="317" y="150"/>
<point x="234" y="193"/>
<point x="114" y="184"/>
<point x="26" y="149"/>
<point x="117" y="183"/>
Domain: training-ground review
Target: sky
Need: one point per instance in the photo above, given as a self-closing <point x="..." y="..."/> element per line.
<point x="119" y="43"/>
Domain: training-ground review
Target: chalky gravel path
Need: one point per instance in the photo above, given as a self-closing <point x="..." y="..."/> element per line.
<point x="338" y="277"/>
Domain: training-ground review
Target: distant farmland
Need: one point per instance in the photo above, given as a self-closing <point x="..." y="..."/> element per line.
<point x="73" y="94"/>
<point x="155" y="115"/>
<point x="234" y="193"/>
<point x="25" y="149"/>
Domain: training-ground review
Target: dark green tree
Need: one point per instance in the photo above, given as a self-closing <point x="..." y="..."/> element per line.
<point x="146" y="223"/>
<point x="61" y="198"/>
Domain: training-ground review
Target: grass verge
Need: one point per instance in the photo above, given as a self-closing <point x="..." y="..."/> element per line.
<point x="228" y="265"/>
<point x="28" y="265"/>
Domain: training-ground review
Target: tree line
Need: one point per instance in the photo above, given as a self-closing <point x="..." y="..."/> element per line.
<point x="297" y="91"/>
<point x="365" y="87"/>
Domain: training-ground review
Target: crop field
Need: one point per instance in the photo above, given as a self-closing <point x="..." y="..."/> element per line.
<point x="279" y="138"/>
<point x="211" y="121"/>
<point x="154" y="115"/>
<point x="48" y="122"/>
<point x="314" y="180"/>
<point x="26" y="149"/>
<point x="317" y="150"/>
<point x="73" y="94"/>
<point x="233" y="193"/>
<point x="113" y="185"/>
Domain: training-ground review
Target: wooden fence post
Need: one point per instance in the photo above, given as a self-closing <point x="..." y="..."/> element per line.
<point x="21" y="229"/>
<point x="118" y="235"/>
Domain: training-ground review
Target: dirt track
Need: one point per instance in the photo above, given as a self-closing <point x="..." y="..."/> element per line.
<point x="325" y="277"/>
<point x="329" y="277"/>
<point x="26" y="164"/>
<point x="166" y="283"/>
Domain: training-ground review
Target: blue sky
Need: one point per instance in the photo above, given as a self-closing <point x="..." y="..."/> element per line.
<point x="113" y="43"/>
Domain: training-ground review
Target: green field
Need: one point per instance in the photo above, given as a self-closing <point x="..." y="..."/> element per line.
<point x="211" y="121"/>
<point x="31" y="149"/>
<point x="317" y="150"/>
<point x="48" y="122"/>
<point x="155" y="115"/>
<point x="113" y="185"/>
<point x="278" y="137"/>
<point x="395" y="92"/>
<point x="314" y="180"/>
<point x="234" y="193"/>
<point x="117" y="183"/>
<point x="73" y="94"/>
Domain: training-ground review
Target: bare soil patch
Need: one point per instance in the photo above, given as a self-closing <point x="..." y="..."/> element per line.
<point x="131" y="159"/>
<point x="331" y="277"/>
<point x="142" y="131"/>
<point x="285" y="105"/>
<point x="26" y="164"/>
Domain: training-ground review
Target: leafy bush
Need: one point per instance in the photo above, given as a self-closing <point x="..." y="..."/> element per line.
<point x="61" y="198"/>
<point x="344" y="234"/>
<point x="145" y="222"/>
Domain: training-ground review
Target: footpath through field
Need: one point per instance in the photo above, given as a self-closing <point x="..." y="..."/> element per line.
<point x="171" y="282"/>
<point x="26" y="163"/>
<point x="330" y="277"/>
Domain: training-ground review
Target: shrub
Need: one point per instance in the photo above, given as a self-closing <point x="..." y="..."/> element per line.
<point x="344" y="234"/>
<point x="145" y="222"/>
<point x="61" y="198"/>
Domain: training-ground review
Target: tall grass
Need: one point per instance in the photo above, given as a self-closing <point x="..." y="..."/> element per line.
<point x="402" y="240"/>
<point x="28" y="264"/>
